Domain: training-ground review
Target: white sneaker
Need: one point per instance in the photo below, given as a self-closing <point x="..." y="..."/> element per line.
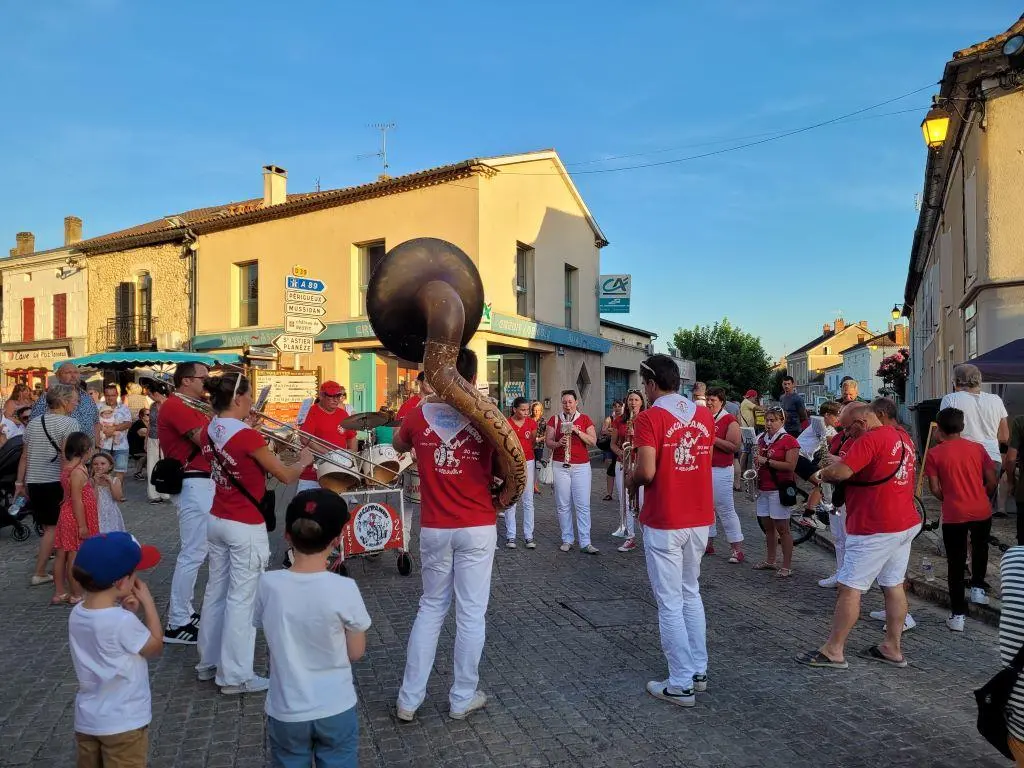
<point x="955" y="622"/>
<point x="510" y="544"/>
<point x="831" y="582"/>
<point x="620" y="532"/>
<point x="590" y="549"/>
<point x="700" y="683"/>
<point x="255" y="684"/>
<point x="908" y="623"/>
<point x="479" y="701"/>
<point x="566" y="546"/>
<point x="660" y="689"/>
<point x="978" y="596"/>
<point x="531" y="544"/>
<point x="205" y="674"/>
<point x="405" y="715"/>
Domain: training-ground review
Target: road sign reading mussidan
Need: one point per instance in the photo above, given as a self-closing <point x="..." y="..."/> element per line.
<point x="304" y="310"/>
<point x="304" y="326"/>
<point x="301" y="345"/>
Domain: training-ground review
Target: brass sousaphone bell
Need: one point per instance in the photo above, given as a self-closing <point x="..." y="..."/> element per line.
<point x="425" y="301"/>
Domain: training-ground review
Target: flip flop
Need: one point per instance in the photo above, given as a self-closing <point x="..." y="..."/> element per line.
<point x="764" y="565"/>
<point x="874" y="653"/>
<point x="783" y="573"/>
<point x="607" y="498"/>
<point x="821" y="661"/>
<point x="61" y="599"/>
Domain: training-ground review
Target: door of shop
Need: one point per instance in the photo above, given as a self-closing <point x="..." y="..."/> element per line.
<point x="616" y="383"/>
<point x="512" y="375"/>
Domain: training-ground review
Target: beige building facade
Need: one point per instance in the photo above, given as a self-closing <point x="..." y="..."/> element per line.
<point x="806" y="364"/>
<point x="965" y="285"/>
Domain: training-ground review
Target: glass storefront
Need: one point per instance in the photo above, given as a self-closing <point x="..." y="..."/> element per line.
<point x="511" y="375"/>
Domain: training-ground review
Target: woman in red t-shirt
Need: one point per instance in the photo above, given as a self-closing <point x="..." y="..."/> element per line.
<point x="727" y="442"/>
<point x="775" y="457"/>
<point x="237" y="534"/>
<point x="634" y="404"/>
<point x="526" y="430"/>
<point x="572" y="470"/>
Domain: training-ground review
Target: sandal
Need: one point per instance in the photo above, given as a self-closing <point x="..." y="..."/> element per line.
<point x="764" y="565"/>
<point x="61" y="599"/>
<point x="820" y="660"/>
<point x="608" y="497"/>
<point x="75" y="600"/>
<point x="874" y="653"/>
<point x="783" y="573"/>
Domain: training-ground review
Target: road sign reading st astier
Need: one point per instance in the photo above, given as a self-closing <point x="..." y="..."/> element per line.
<point x="302" y="345"/>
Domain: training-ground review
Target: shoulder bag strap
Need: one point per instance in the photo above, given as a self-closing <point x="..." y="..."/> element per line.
<point x="869" y="483"/>
<point x="56" y="448"/>
<point x="232" y="479"/>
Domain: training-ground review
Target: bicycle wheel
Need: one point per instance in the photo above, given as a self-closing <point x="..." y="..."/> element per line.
<point x="799" y="532"/>
<point x="923" y="515"/>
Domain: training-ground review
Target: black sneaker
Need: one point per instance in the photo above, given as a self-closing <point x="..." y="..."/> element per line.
<point x="184" y="635"/>
<point x="194" y="621"/>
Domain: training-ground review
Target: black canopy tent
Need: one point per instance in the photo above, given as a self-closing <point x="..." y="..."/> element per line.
<point x="1002" y="365"/>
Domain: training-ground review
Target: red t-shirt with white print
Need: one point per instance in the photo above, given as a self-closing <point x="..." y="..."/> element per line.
<point x="682" y="435"/>
<point x="722" y="458"/>
<point x="455" y="465"/>
<point x="235" y="442"/>
<point x="578" y="453"/>
<point x="326" y="426"/>
<point x="887" y="507"/>
<point x="525" y="433"/>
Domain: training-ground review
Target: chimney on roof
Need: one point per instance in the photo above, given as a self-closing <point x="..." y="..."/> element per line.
<point x="863" y="322"/>
<point x="840" y="324"/>
<point x="72" y="230"/>
<point x="26" y="243"/>
<point x="826" y="329"/>
<point x="275" y="185"/>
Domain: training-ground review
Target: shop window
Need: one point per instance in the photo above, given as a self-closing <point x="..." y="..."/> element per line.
<point x="370" y="255"/>
<point x="570" y="295"/>
<point x="524" y="281"/>
<point x="60" y="316"/>
<point x="248" y="294"/>
<point x="28" y="319"/>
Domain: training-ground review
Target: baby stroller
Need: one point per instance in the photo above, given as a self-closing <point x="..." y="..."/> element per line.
<point x="10" y="455"/>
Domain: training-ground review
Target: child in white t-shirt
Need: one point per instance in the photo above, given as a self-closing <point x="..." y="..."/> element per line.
<point x="315" y="623"/>
<point x="109" y="648"/>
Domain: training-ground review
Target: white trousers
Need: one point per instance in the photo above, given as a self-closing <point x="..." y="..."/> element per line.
<point x="673" y="565"/>
<point x="239" y="553"/>
<point x="452" y="560"/>
<point x="620" y="488"/>
<point x="307" y="485"/>
<point x="527" y="502"/>
<point x="193" y="505"/>
<point x="725" y="504"/>
<point x="153" y="455"/>
<point x="837" y="523"/>
<point x="572" y="490"/>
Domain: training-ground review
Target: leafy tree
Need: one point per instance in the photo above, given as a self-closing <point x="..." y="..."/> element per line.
<point x="775" y="384"/>
<point x="725" y="355"/>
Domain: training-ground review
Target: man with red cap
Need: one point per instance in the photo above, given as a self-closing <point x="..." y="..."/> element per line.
<point x="324" y="421"/>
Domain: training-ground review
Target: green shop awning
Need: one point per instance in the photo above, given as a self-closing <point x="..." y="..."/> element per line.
<point x="116" y="360"/>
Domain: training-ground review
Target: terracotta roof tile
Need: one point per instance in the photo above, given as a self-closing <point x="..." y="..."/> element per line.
<point x="993" y="43"/>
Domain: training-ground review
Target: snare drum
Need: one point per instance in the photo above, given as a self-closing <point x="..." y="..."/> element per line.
<point x="382" y="463"/>
<point x="337" y="472"/>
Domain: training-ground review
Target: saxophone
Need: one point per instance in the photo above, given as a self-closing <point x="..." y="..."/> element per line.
<point x="632" y="505"/>
<point x="566" y="427"/>
<point x="424" y="302"/>
<point x="826" y="488"/>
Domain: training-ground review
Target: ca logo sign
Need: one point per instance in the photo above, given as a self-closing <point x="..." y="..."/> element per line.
<point x="616" y="286"/>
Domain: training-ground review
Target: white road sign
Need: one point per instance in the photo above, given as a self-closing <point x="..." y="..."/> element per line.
<point x="304" y="310"/>
<point x="304" y="326"/>
<point x="303" y="297"/>
<point x="301" y="345"/>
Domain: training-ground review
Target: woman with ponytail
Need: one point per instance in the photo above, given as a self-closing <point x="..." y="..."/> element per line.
<point x="239" y="548"/>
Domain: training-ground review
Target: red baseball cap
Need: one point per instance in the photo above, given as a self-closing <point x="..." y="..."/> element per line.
<point x="331" y="388"/>
<point x="751" y="394"/>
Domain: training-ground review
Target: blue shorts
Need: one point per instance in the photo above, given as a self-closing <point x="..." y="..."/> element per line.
<point x="333" y="741"/>
<point x="120" y="460"/>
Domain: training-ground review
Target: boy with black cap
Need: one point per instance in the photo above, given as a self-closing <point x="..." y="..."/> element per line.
<point x="315" y="623"/>
<point x="109" y="648"/>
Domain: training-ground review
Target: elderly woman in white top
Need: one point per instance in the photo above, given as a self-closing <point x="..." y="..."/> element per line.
<point x="985" y="418"/>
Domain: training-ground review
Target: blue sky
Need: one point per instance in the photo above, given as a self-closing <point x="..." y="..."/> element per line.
<point x="120" y="112"/>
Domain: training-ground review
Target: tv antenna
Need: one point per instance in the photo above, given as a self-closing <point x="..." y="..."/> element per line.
<point x="383" y="152"/>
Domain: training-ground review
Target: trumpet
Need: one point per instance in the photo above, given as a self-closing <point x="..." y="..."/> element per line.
<point x="333" y="461"/>
<point x="750" y="484"/>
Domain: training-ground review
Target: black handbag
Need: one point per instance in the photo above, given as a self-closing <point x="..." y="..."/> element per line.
<point x="787" y="489"/>
<point x="993" y="698"/>
<point x="267" y="506"/>
<point x="168" y="475"/>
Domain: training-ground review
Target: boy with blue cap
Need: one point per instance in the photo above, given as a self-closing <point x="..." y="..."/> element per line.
<point x="109" y="648"/>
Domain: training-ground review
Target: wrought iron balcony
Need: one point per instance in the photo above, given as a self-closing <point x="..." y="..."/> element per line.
<point x="128" y="332"/>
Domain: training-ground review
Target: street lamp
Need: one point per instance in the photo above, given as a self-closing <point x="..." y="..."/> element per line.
<point x="896" y="312"/>
<point x="935" y="126"/>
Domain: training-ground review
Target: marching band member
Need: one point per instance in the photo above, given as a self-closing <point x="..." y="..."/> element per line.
<point x="572" y="470"/>
<point x="525" y="429"/>
<point x="239" y="548"/>
<point x="324" y="421"/>
<point x="727" y="442"/>
<point x="178" y="430"/>
<point x="415" y="400"/>
<point x="674" y="440"/>
<point x="775" y="459"/>
<point x="457" y="540"/>
<point x="634" y="405"/>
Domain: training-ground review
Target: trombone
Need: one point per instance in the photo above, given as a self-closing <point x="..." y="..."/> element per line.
<point x="347" y="462"/>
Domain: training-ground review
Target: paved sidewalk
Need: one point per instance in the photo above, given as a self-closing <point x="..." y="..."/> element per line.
<point x="572" y="640"/>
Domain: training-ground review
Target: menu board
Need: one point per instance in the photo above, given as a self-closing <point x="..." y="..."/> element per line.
<point x="288" y="390"/>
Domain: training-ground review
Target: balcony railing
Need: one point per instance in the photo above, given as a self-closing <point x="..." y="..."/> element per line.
<point x="128" y="332"/>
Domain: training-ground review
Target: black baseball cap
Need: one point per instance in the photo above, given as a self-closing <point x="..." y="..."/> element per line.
<point x="325" y="508"/>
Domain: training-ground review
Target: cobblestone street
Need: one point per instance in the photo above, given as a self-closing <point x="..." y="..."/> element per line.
<point x="571" y="641"/>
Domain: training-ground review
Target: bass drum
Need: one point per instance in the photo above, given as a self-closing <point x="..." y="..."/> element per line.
<point x="383" y="463"/>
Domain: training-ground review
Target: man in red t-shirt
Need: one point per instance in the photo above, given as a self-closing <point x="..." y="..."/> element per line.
<point x="674" y="440"/>
<point x="962" y="476"/>
<point x="416" y="399"/>
<point x="881" y="523"/>
<point x="179" y="429"/>
<point x="457" y="542"/>
<point x="324" y="421"/>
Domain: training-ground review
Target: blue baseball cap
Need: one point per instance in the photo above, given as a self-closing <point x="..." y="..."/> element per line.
<point x="108" y="557"/>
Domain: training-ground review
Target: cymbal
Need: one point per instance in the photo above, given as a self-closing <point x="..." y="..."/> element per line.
<point x="367" y="420"/>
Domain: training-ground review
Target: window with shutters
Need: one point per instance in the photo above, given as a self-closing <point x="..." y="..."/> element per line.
<point x="28" y="319"/>
<point x="60" y="316"/>
<point x="145" y="324"/>
<point x="370" y="256"/>
<point x="524" y="281"/>
<point x="124" y="315"/>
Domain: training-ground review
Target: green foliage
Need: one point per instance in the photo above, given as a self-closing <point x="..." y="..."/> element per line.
<point x="775" y="384"/>
<point x="726" y="356"/>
